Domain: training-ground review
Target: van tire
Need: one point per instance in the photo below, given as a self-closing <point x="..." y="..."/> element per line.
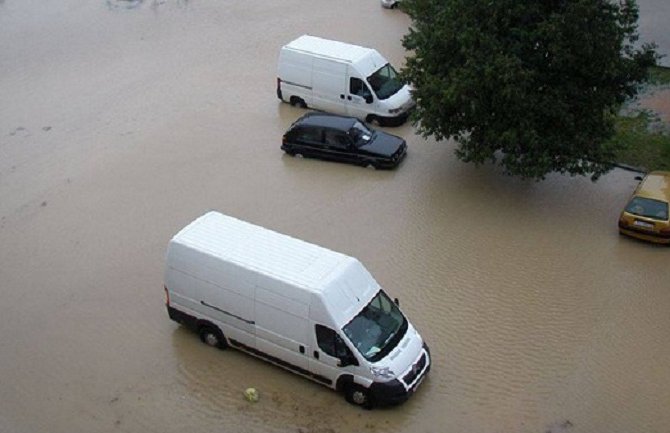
<point x="211" y="336"/>
<point x="299" y="102"/>
<point x="374" y="120"/>
<point x="358" y="396"/>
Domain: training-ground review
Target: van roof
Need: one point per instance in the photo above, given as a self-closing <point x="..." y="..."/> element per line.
<point x="265" y="251"/>
<point x="365" y="60"/>
<point x="327" y="48"/>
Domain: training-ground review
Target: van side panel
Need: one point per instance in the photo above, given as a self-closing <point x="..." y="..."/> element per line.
<point x="329" y="85"/>
<point x="281" y="327"/>
<point x="295" y="73"/>
<point x="212" y="290"/>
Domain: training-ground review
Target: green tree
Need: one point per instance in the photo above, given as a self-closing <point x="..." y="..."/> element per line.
<point x="532" y="84"/>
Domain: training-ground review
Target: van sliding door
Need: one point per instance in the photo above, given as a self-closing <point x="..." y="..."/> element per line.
<point x="329" y="85"/>
<point x="281" y="330"/>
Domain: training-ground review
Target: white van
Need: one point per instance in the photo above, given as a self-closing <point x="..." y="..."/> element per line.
<point x="343" y="79"/>
<point x="302" y="307"/>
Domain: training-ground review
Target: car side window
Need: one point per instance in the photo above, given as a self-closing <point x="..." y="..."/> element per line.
<point x="308" y="135"/>
<point x="331" y="343"/>
<point x="336" y="139"/>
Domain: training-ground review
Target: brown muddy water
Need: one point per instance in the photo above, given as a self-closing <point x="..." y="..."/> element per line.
<point x="121" y="121"/>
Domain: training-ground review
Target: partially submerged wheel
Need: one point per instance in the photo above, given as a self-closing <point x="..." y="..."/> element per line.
<point x="299" y="102"/>
<point x="377" y="121"/>
<point x="212" y="337"/>
<point x="358" y="396"/>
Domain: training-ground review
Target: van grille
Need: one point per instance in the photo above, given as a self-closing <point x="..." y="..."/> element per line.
<point x="416" y="369"/>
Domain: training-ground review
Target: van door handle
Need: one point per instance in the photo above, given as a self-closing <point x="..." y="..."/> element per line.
<point x="342" y="96"/>
<point x="316" y="354"/>
<point x="302" y="349"/>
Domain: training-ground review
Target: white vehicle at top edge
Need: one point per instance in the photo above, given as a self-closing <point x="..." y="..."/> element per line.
<point x="390" y="4"/>
<point x="305" y="308"/>
<point x="343" y="79"/>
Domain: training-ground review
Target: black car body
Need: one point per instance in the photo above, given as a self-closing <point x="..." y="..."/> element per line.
<point x="344" y="139"/>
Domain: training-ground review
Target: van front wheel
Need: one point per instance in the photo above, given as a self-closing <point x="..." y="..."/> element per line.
<point x="295" y="101"/>
<point x="358" y="396"/>
<point x="377" y="121"/>
<point x="212" y="337"/>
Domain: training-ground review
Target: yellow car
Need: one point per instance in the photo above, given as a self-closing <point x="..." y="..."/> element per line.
<point x="646" y="214"/>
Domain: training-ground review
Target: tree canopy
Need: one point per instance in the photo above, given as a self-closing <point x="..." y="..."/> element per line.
<point x="532" y="84"/>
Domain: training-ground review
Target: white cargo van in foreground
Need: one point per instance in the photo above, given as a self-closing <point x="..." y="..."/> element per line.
<point x="302" y="307"/>
<point x="343" y="79"/>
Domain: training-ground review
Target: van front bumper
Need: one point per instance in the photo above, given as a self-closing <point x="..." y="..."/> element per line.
<point x="395" y="391"/>
<point x="395" y="120"/>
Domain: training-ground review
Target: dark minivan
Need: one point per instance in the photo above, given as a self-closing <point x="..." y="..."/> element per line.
<point x="344" y="139"/>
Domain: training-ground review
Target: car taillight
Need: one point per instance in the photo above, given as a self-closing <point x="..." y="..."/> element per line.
<point x="665" y="230"/>
<point x="622" y="222"/>
<point x="167" y="296"/>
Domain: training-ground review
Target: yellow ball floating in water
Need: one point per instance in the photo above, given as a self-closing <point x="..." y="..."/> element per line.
<point x="251" y="395"/>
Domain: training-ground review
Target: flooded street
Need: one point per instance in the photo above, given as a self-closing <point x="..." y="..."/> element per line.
<point x="121" y="121"/>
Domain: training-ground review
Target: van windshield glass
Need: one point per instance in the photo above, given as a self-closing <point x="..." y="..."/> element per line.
<point x="385" y="82"/>
<point x="377" y="329"/>
<point x="360" y="134"/>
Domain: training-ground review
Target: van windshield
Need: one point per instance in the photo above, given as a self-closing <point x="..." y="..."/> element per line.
<point x="377" y="329"/>
<point x="385" y="82"/>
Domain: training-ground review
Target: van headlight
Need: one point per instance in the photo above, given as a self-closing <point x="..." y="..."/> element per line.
<point x="382" y="372"/>
<point x="395" y="110"/>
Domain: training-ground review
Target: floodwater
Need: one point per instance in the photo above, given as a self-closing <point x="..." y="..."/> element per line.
<point x="121" y="121"/>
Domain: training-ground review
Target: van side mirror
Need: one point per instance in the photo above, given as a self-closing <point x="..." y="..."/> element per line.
<point x="397" y="301"/>
<point x="368" y="98"/>
<point x="638" y="177"/>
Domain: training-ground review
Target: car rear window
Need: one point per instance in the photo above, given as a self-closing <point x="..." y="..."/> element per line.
<point x="649" y="208"/>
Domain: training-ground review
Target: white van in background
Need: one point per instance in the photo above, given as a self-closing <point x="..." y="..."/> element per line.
<point x="302" y="307"/>
<point x="342" y="79"/>
<point x="390" y="4"/>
